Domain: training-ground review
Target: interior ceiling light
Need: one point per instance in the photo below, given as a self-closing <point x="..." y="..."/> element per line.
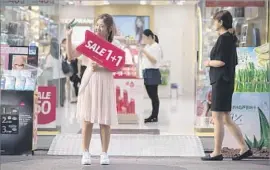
<point x="143" y="2"/>
<point x="180" y="2"/>
<point x="106" y="2"/>
<point x="70" y="2"/>
<point x="160" y="2"/>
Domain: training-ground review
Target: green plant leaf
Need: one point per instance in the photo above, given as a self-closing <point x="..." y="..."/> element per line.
<point x="264" y="127"/>
<point x="248" y="142"/>
<point x="261" y="144"/>
<point x="255" y="142"/>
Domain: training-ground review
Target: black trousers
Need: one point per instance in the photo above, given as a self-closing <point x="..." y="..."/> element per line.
<point x="83" y="68"/>
<point x="152" y="91"/>
<point x="75" y="79"/>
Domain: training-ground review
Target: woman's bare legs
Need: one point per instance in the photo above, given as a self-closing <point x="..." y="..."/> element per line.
<point x="235" y="131"/>
<point x="87" y="135"/>
<point x="105" y="135"/>
<point x="218" y="132"/>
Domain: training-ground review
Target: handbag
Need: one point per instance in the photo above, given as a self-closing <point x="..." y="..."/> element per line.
<point x="67" y="68"/>
<point x="152" y="77"/>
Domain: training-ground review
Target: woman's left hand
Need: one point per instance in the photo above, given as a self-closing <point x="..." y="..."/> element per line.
<point x="94" y="66"/>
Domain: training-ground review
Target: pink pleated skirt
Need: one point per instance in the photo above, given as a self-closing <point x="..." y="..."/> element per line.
<point x="97" y="99"/>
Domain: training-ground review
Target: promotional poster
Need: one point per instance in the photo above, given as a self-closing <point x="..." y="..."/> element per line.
<point x="46" y="107"/>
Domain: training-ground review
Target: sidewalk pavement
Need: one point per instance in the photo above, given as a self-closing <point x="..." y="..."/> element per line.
<point x="42" y="162"/>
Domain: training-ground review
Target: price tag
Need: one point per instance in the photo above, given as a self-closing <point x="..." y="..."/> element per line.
<point x="9" y="124"/>
<point x="14" y="2"/>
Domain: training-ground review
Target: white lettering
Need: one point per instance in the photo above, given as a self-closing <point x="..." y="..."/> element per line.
<point x="95" y="48"/>
<point x="46" y="107"/>
<point x="119" y="60"/>
<point x="88" y="45"/>
<point x="102" y="51"/>
<point x="44" y="95"/>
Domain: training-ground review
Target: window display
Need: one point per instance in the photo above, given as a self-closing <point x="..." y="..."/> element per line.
<point x="18" y="83"/>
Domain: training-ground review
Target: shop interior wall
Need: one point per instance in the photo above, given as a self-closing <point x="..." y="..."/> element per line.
<point x="70" y="12"/>
<point x="176" y="27"/>
<point x="170" y="24"/>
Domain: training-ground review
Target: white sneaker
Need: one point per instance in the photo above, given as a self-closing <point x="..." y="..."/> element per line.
<point x="86" y="158"/>
<point x="104" y="159"/>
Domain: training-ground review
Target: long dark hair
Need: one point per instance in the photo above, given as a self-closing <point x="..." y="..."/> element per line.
<point x="108" y="21"/>
<point x="149" y="33"/>
<point x="227" y="21"/>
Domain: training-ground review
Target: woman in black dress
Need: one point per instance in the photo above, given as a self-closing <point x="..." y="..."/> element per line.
<point x="222" y="63"/>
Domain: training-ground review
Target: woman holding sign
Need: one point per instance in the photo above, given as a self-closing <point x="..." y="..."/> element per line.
<point x="96" y="99"/>
<point x="152" y="55"/>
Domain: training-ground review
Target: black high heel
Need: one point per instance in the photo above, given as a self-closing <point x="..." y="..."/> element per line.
<point x="214" y="158"/>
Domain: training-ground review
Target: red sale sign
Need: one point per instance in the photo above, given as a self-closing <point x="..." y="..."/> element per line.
<point x="46" y="108"/>
<point x="102" y="52"/>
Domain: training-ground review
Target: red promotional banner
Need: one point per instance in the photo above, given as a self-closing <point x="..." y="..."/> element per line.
<point x="102" y="52"/>
<point x="46" y="108"/>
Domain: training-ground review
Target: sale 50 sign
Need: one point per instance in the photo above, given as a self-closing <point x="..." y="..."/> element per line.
<point x="46" y="107"/>
<point x="102" y="52"/>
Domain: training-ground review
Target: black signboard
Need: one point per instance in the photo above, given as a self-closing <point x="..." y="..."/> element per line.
<point x="9" y="124"/>
<point x="17" y="109"/>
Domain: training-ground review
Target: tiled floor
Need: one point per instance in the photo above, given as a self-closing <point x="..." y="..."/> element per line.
<point x="131" y="145"/>
<point x="176" y="117"/>
<point x="176" y="126"/>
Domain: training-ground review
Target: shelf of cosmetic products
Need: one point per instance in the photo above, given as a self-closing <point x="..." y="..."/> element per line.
<point x="19" y="80"/>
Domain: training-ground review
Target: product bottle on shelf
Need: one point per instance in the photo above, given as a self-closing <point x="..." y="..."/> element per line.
<point x="132" y="105"/>
<point x="125" y="97"/>
<point x="118" y="92"/>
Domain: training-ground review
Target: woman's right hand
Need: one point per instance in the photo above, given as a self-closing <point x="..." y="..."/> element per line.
<point x="69" y="32"/>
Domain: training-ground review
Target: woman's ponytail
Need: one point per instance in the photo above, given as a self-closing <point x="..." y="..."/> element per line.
<point x="235" y="39"/>
<point x="156" y="38"/>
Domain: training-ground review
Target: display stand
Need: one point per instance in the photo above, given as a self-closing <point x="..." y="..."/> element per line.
<point x="129" y="98"/>
<point x="18" y="116"/>
<point x="16" y="122"/>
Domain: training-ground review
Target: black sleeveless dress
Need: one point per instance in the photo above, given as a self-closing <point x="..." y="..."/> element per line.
<point x="222" y="78"/>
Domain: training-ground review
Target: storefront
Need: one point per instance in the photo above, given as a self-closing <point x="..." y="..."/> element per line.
<point x="251" y="103"/>
<point x="185" y="84"/>
<point x="131" y="20"/>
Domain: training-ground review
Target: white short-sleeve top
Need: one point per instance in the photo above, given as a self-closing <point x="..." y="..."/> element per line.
<point x="155" y="51"/>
